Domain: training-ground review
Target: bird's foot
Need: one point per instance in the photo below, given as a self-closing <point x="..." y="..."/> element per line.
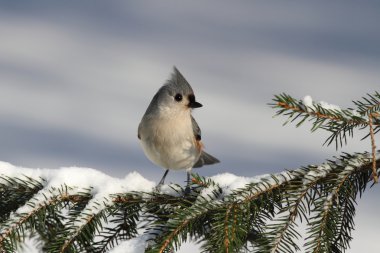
<point x="158" y="187"/>
<point x="187" y="190"/>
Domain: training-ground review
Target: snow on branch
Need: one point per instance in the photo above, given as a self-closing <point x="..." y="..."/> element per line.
<point x="89" y="211"/>
<point x="339" y="122"/>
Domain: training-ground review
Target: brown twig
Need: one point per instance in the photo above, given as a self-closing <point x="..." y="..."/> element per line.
<point x="320" y="115"/>
<point x="297" y="109"/>
<point x="199" y="182"/>
<point x="172" y="235"/>
<point x="226" y="230"/>
<point x="22" y="219"/>
<point x="374" y="171"/>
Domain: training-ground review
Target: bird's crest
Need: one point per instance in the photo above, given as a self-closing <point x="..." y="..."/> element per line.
<point x="179" y="83"/>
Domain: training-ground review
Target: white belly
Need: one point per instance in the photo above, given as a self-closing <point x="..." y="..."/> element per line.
<point x="171" y="145"/>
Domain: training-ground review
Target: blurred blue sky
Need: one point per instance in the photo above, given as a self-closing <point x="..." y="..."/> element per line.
<point x="77" y="76"/>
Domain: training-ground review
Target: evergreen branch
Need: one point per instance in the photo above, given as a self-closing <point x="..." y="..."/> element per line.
<point x="265" y="185"/>
<point x="171" y="236"/>
<point x="374" y="172"/>
<point x="202" y="183"/>
<point x="81" y="230"/>
<point x="55" y="222"/>
<point x="346" y="199"/>
<point x="123" y="216"/>
<point x="189" y="220"/>
<point x="244" y="211"/>
<point x="226" y="228"/>
<point x="224" y="220"/>
<point x="339" y="122"/>
<point x="370" y="105"/>
<point x="15" y="192"/>
<point x="327" y="217"/>
<point x="291" y="107"/>
<point x="15" y="226"/>
<point x="345" y="224"/>
<point x="339" y="184"/>
<point x="121" y="210"/>
<point x="174" y="218"/>
<point x="235" y="233"/>
<point x="282" y="234"/>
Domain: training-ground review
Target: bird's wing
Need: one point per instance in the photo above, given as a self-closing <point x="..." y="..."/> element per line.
<point x="205" y="158"/>
<point x="196" y="129"/>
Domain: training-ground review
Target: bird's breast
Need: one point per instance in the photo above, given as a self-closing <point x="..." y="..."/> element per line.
<point x="170" y="142"/>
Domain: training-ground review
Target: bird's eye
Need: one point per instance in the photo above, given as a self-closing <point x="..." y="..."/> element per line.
<point x="178" y="97"/>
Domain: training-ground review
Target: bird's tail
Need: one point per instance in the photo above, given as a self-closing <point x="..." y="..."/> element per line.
<point x="205" y="159"/>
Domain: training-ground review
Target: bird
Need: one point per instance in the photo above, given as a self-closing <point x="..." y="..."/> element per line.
<point x="169" y="134"/>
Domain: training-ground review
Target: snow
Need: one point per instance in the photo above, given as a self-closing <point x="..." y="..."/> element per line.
<point x="328" y="106"/>
<point x="135" y="245"/>
<point x="101" y="186"/>
<point x="230" y="182"/>
<point x="323" y="169"/>
<point x="328" y="202"/>
<point x="77" y="179"/>
<point x="318" y="172"/>
<point x="308" y="101"/>
<point x="100" y="183"/>
<point x="171" y="190"/>
<point x="104" y="186"/>
<point x="355" y="113"/>
<point x="31" y="244"/>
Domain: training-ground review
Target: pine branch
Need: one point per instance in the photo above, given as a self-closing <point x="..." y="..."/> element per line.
<point x="180" y="224"/>
<point x="339" y="122"/>
<point x="221" y="219"/>
<point x="369" y="104"/>
<point x="243" y="212"/>
<point x="281" y="235"/>
<point x="341" y="184"/>
<point x="36" y="208"/>
<point x="15" y="192"/>
<point x="371" y="132"/>
<point x="80" y="231"/>
<point x="123" y="218"/>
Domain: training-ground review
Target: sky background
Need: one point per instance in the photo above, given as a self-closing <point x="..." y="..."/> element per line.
<point x="77" y="76"/>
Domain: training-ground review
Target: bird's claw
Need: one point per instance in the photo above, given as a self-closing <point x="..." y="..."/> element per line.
<point x="187" y="190"/>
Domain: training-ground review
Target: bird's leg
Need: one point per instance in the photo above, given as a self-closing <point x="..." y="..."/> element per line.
<point x="187" y="189"/>
<point x="162" y="179"/>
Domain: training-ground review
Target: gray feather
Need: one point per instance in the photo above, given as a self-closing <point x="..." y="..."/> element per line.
<point x="176" y="84"/>
<point x="196" y="129"/>
<point x="179" y="83"/>
<point x="205" y="159"/>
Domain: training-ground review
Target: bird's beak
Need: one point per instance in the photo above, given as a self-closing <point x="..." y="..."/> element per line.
<point x="194" y="104"/>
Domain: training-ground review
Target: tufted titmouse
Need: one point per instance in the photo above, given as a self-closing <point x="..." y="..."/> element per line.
<point x="170" y="136"/>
